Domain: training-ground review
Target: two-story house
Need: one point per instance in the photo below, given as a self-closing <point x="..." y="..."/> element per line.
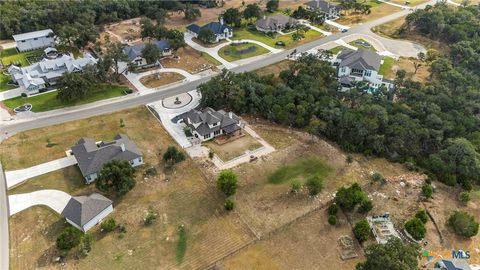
<point x="208" y="123"/>
<point x="134" y="52"/>
<point x="330" y="10"/>
<point x="221" y="30"/>
<point x="34" y="40"/>
<point x="275" y="23"/>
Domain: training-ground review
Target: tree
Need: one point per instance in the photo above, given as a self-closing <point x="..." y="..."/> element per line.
<point x="333" y="209"/>
<point x="233" y="17"/>
<point x="73" y="86"/>
<point x="416" y="228"/>
<point x="394" y="255"/>
<point x="314" y="185"/>
<point x="416" y="64"/>
<point x="365" y="205"/>
<point x="116" y="176"/>
<point x="108" y="225"/>
<point x="172" y="155"/>
<point x="206" y="35"/>
<point x="463" y="224"/>
<point x="69" y="238"/>
<point x="348" y="198"/>
<point x="422" y="215"/>
<point x="361" y="230"/>
<point x="464" y="197"/>
<point x="148" y="30"/>
<point x="332" y="220"/>
<point x="227" y="182"/>
<point x="252" y="11"/>
<point x="272" y="5"/>
<point x="229" y="204"/>
<point x="151" y="53"/>
<point x="115" y="54"/>
<point x="176" y="40"/>
<point x="86" y="243"/>
<point x="191" y="13"/>
<point x="427" y="190"/>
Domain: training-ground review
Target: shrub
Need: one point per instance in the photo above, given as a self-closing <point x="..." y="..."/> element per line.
<point x="333" y="209"/>
<point x="227" y="182"/>
<point x="69" y="238"/>
<point x="150" y="217"/>
<point x="24" y="95"/>
<point x="314" y="185"/>
<point x="463" y="224"/>
<point x="365" y="206"/>
<point x="152" y="171"/>
<point x="229" y="204"/>
<point x="349" y="158"/>
<point x="211" y="154"/>
<point x="378" y="177"/>
<point x="361" y="230"/>
<point x="295" y="186"/>
<point x="173" y="155"/>
<point x="348" y="198"/>
<point x="416" y="228"/>
<point x="86" y="243"/>
<point x="422" y="215"/>
<point x="187" y="132"/>
<point x="427" y="191"/>
<point x="108" y="225"/>
<point x="464" y="197"/>
<point x="332" y="220"/>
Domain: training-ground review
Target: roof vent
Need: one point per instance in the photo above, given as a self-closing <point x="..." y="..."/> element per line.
<point x="123" y="147"/>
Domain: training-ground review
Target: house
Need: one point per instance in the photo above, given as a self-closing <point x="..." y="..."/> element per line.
<point x="360" y="65"/>
<point x="275" y="23"/>
<point x="38" y="76"/>
<point x="221" y="30"/>
<point x="91" y="155"/>
<point x="84" y="212"/>
<point x="382" y="228"/>
<point x="451" y="264"/>
<point x="208" y="123"/>
<point x="134" y="52"/>
<point x="331" y="10"/>
<point x="34" y="40"/>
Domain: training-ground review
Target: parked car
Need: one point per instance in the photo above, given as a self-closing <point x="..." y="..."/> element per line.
<point x="344" y="30"/>
<point x="280" y="43"/>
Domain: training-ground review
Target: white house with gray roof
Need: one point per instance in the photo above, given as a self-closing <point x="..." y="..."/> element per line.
<point x="275" y="23"/>
<point x="38" y="76"/>
<point x="84" y="212"/>
<point x="329" y="9"/>
<point x="91" y="155"/>
<point x="208" y="123"/>
<point x="34" y="40"/>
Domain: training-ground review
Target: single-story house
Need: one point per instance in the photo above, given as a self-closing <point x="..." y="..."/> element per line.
<point x="91" y="155"/>
<point x="36" y="77"/>
<point x="34" y="40"/>
<point x="84" y="212"/>
<point x="221" y="30"/>
<point x="134" y="52"/>
<point x="208" y="123"/>
<point x="360" y="65"/>
<point x="275" y="23"/>
<point x="331" y="10"/>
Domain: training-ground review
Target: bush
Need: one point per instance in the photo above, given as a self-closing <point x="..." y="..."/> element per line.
<point x="332" y="220"/>
<point x="314" y="185"/>
<point x="463" y="224"/>
<point x="365" y="206"/>
<point x="295" y="186"/>
<point x="172" y="155"/>
<point x="333" y="209"/>
<point x="349" y="158"/>
<point x="348" y="198"/>
<point x="464" y="197"/>
<point x="378" y="177"/>
<point x="150" y="217"/>
<point x="24" y="95"/>
<point x="416" y="228"/>
<point x="427" y="191"/>
<point x="187" y="132"/>
<point x="229" y="204"/>
<point x="86" y="243"/>
<point x="361" y="230"/>
<point x="211" y="154"/>
<point x="108" y="225"/>
<point x="69" y="238"/>
<point x="227" y="182"/>
<point x="422" y="215"/>
<point x="152" y="171"/>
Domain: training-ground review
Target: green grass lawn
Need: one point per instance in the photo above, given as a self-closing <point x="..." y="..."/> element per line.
<point x="229" y="52"/>
<point x="11" y="55"/>
<point x="368" y="47"/>
<point x="287" y="39"/>
<point x="49" y="101"/>
<point x="386" y="66"/>
<point x="301" y="170"/>
<point x="337" y="49"/>
<point x="4" y="79"/>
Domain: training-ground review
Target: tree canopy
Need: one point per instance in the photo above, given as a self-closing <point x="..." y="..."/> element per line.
<point x="206" y="35"/>
<point x="151" y="53"/>
<point x="394" y="255"/>
<point x="227" y="182"/>
<point x="116" y="176"/>
<point x="463" y="224"/>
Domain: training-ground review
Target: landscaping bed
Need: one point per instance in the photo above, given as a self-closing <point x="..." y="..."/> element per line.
<point x="238" y="51"/>
<point x="160" y="79"/>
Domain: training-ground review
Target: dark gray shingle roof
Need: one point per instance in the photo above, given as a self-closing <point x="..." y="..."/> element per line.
<point x="210" y="116"/>
<point x="361" y="58"/>
<point x="81" y="209"/>
<point x="216" y="27"/>
<point x="271" y="22"/>
<point x="136" y="50"/>
<point x="91" y="157"/>
<point x="321" y="5"/>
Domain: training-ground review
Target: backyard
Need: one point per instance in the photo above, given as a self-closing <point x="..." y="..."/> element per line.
<point x="235" y="52"/>
<point x="11" y="56"/>
<point x="386" y="67"/>
<point x="48" y="101"/>
<point x="4" y="79"/>
<point x="159" y="79"/>
<point x="190" y="60"/>
<point x="310" y="35"/>
<point x="233" y="148"/>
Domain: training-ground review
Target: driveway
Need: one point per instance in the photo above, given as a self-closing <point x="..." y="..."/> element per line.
<point x="55" y="199"/>
<point x="11" y="93"/>
<point x="337" y="25"/>
<point x="213" y="52"/>
<point x="17" y="177"/>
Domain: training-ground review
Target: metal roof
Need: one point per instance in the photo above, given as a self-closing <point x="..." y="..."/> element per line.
<point x="30" y="35"/>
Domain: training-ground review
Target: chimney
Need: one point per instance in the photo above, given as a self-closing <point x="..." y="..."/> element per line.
<point x="264" y="17"/>
<point x="221" y="20"/>
<point x="123" y="147"/>
<point x="230" y="115"/>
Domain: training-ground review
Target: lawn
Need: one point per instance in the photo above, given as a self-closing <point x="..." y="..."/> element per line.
<point x="234" y="148"/>
<point x="386" y="67"/>
<point x="160" y="79"/>
<point x="4" y="79"/>
<point x="337" y="49"/>
<point x="234" y="52"/>
<point x="49" y="101"/>
<point x="11" y="56"/>
<point x="361" y="43"/>
<point x="287" y="39"/>
<point x="300" y="170"/>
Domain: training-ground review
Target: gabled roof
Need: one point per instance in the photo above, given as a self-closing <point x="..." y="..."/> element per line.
<point x="321" y="5"/>
<point x="361" y="58"/>
<point x="136" y="50"/>
<point x="81" y="209"/>
<point x="447" y="264"/>
<point x="30" y="35"/>
<point x="271" y="22"/>
<point x="216" y="27"/>
<point x="91" y="156"/>
<point x="209" y="116"/>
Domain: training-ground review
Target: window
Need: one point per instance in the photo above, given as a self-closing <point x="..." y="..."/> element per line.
<point x="23" y="41"/>
<point x="217" y="132"/>
<point x="343" y="69"/>
<point x="368" y="73"/>
<point x="35" y="39"/>
<point x="206" y="136"/>
<point x="214" y="124"/>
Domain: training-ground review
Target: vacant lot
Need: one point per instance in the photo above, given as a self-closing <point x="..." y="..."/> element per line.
<point x="274" y="69"/>
<point x="422" y="74"/>
<point x="235" y="52"/>
<point x="180" y="196"/>
<point x="159" y="79"/>
<point x="287" y="39"/>
<point x="378" y="10"/>
<point x="234" y="148"/>
<point x="190" y="60"/>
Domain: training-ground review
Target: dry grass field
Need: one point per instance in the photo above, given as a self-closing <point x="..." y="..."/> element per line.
<point x="378" y="10"/>
<point x="160" y="79"/>
<point x="190" y="60"/>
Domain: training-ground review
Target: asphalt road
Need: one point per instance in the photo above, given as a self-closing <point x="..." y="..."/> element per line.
<point x="9" y="129"/>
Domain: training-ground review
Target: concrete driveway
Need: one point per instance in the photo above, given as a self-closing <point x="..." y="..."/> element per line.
<point x="17" y="177"/>
<point x="55" y="199"/>
<point x="16" y="92"/>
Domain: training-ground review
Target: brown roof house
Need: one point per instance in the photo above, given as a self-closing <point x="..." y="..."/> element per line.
<point x="91" y="155"/>
<point x="84" y="212"/>
<point x="208" y="123"/>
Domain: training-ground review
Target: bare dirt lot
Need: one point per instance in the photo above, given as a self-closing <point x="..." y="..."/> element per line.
<point x="235" y="148"/>
<point x="190" y="60"/>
